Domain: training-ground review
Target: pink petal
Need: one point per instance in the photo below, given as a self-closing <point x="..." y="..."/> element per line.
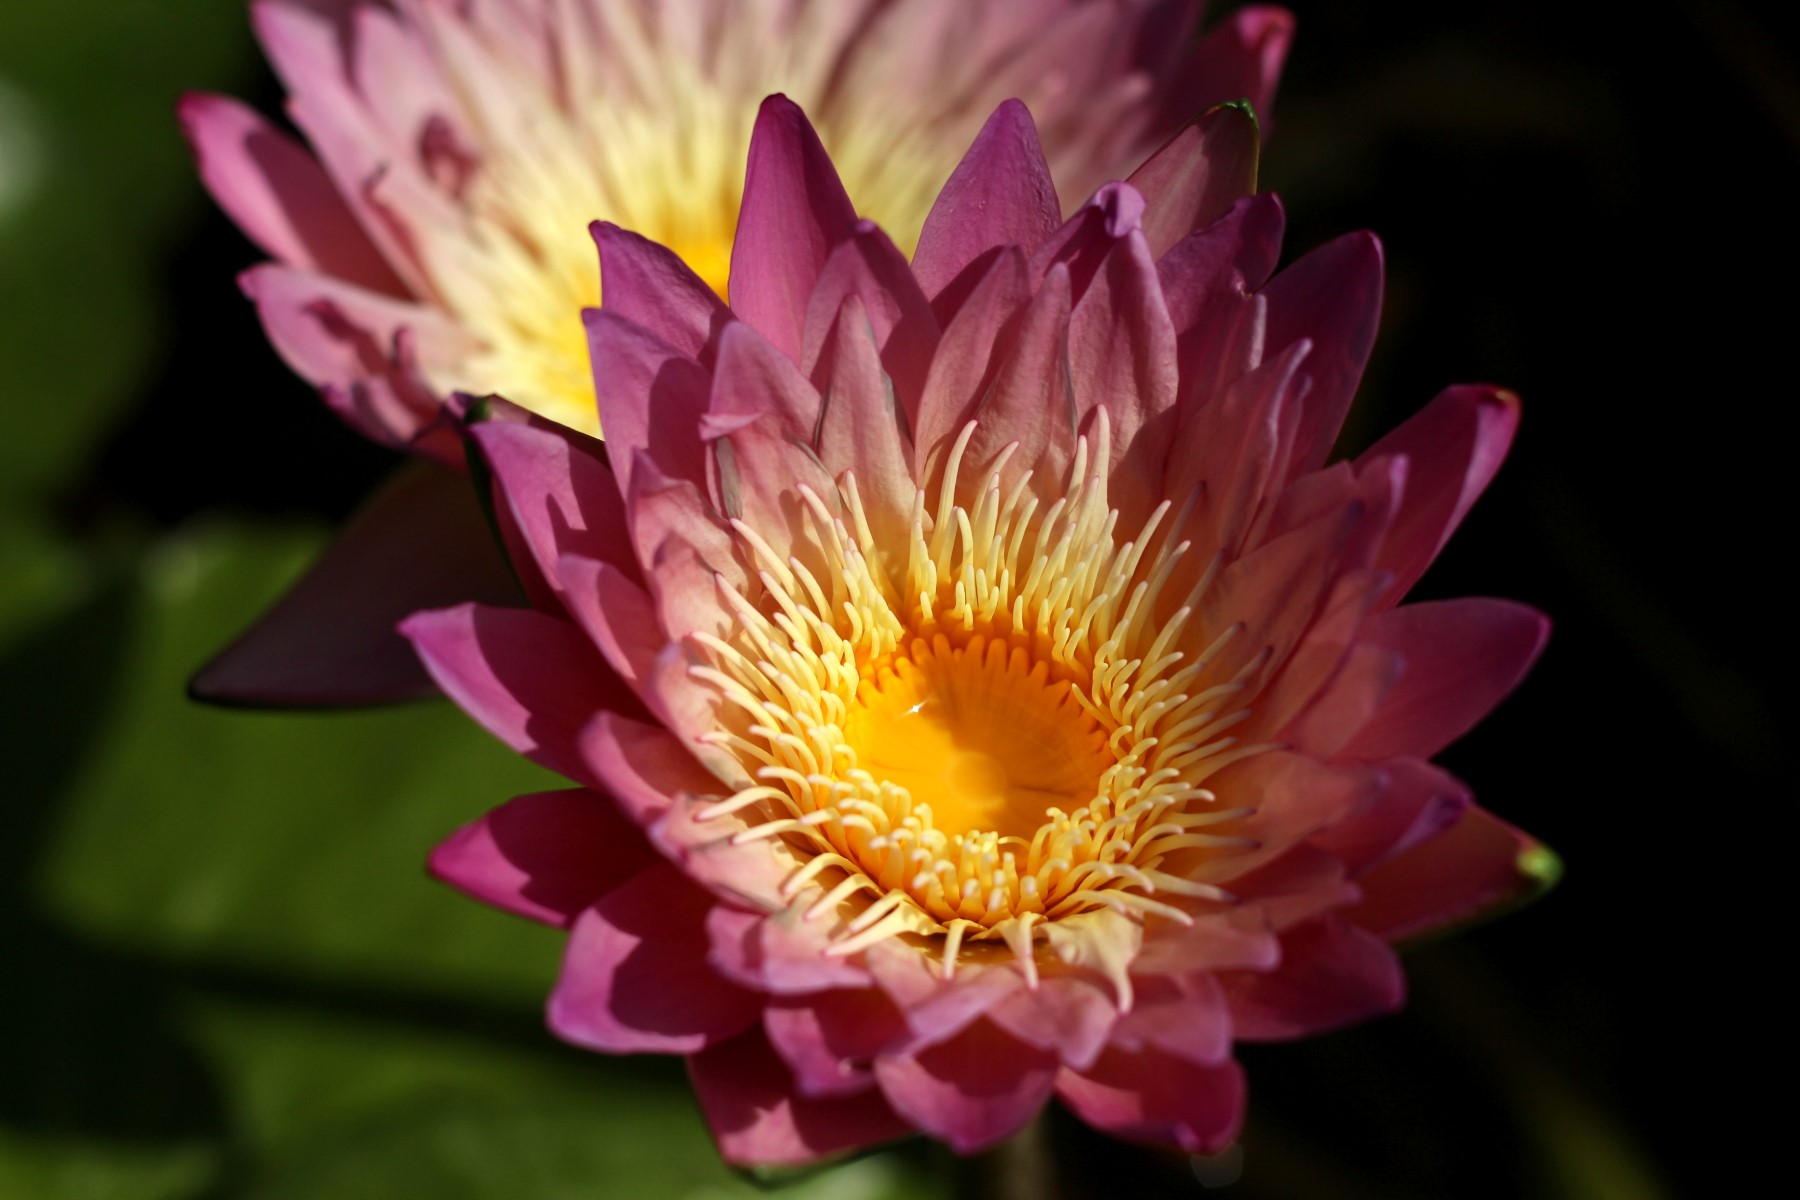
<point x="1085" y="240"/>
<point x="1030" y="402"/>
<point x="860" y="427"/>
<point x="1461" y="658"/>
<point x="616" y="612"/>
<point x="278" y="193"/>
<point x="1480" y="864"/>
<point x="1198" y="175"/>
<point x="782" y="952"/>
<point x="1159" y="1098"/>
<point x="1332" y="974"/>
<point x="643" y="767"/>
<point x="794" y="211"/>
<point x="651" y="287"/>
<point x="559" y="492"/>
<point x="752" y="378"/>
<point x="681" y="545"/>
<point x="1243" y="56"/>
<point x="758" y="1117"/>
<point x="635" y="977"/>
<point x="1417" y="803"/>
<point x="975" y="342"/>
<point x="869" y="267"/>
<point x="1453" y="447"/>
<point x="1000" y="194"/>
<point x="421" y="541"/>
<point x="545" y="856"/>
<point x="1069" y="1016"/>
<point x="830" y="1039"/>
<point x="1182" y="1015"/>
<point x="936" y="1008"/>
<point x="532" y="680"/>
<point x="971" y="1091"/>
<point x="1332" y="297"/>
<point x="649" y="396"/>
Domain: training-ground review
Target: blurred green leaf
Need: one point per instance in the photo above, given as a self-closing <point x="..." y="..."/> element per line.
<point x="92" y="171"/>
<point x="243" y="983"/>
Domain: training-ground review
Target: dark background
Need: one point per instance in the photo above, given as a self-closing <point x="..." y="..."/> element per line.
<point x="1590" y="204"/>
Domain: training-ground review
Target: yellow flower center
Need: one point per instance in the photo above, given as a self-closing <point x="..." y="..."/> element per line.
<point x="1001" y="723"/>
<point x="659" y="150"/>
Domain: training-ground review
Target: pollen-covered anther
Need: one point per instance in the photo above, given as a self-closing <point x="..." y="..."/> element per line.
<point x="1004" y="722"/>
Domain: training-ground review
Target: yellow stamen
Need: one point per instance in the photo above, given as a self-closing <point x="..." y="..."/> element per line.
<point x="1001" y="724"/>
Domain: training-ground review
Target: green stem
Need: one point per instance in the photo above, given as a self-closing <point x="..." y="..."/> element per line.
<point x="1021" y="1168"/>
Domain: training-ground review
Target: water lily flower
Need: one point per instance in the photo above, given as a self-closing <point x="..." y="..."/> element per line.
<point x="432" y="238"/>
<point x="978" y="683"/>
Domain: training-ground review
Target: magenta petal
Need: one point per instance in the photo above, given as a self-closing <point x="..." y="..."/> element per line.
<point x="1461" y="658"/>
<point x="974" y="344"/>
<point x="782" y="953"/>
<point x="752" y="379"/>
<point x="973" y="1090"/>
<point x="1453" y="447"/>
<point x="1243" y="55"/>
<point x="649" y="396"/>
<point x="546" y="856"/>
<point x="641" y="766"/>
<point x="560" y="493"/>
<point x="635" y="977"/>
<point x="422" y="541"/>
<point x="1332" y="973"/>
<point x="533" y="680"/>
<point x="1332" y="297"/>
<point x="651" y="287"/>
<point x="759" y="1118"/>
<point x="1417" y="803"/>
<point x="871" y="268"/>
<point x="279" y="194"/>
<point x="1198" y="175"/>
<point x="1481" y="863"/>
<point x="1159" y="1098"/>
<point x="793" y="212"/>
<point x="616" y="611"/>
<point x="830" y="1039"/>
<point x="1000" y="194"/>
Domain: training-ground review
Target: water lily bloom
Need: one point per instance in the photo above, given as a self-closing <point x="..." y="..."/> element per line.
<point x="432" y="239"/>
<point x="977" y="682"/>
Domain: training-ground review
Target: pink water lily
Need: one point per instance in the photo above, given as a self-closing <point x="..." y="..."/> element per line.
<point x="432" y="236"/>
<point x="978" y="684"/>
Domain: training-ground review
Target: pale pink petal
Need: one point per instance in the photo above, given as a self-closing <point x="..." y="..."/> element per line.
<point x="533" y="680"/>
<point x="649" y="396"/>
<point x="830" y="1039"/>
<point x="279" y="194"/>
<point x="1332" y="974"/>
<point x="1000" y="194"/>
<point x="421" y="542"/>
<point x="546" y="856"/>
<point x="860" y="429"/>
<point x="1159" y="1098"/>
<point x="1480" y="864"/>
<point x="652" y="288"/>
<point x="936" y="1008"/>
<point x="1198" y="175"/>
<point x="759" y="1118"/>
<point x="635" y="977"/>
<point x="1030" y="402"/>
<point x="1454" y="446"/>
<point x="793" y="212"/>
<point x="972" y="1090"/>
<point x="683" y="548"/>
<point x="1460" y="658"/>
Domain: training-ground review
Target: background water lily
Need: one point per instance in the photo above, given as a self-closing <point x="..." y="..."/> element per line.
<point x="1013" y="698"/>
